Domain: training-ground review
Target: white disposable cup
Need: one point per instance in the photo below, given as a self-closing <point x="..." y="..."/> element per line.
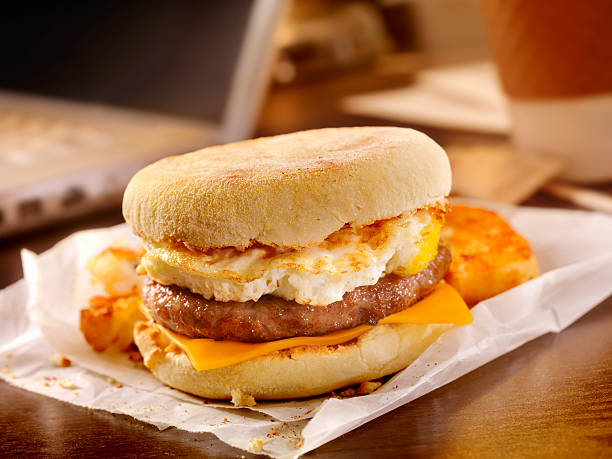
<point x="577" y="130"/>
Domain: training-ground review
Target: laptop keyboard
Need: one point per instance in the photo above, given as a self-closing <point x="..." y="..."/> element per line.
<point x="59" y="159"/>
<point x="29" y="140"/>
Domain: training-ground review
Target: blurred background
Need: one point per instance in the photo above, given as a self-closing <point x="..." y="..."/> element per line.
<point x="519" y="92"/>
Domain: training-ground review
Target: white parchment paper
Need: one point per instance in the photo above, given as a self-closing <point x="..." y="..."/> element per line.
<point x="39" y="316"/>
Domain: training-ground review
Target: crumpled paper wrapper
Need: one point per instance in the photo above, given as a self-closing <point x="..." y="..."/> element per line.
<point x="39" y="316"/>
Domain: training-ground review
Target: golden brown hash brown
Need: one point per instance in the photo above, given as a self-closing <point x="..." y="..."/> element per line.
<point x="489" y="257"/>
<point x="110" y="321"/>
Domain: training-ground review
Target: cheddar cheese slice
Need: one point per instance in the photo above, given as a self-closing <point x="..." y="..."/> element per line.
<point x="442" y="306"/>
<point x="207" y="354"/>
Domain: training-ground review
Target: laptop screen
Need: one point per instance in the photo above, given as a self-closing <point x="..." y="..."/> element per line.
<point x="173" y="57"/>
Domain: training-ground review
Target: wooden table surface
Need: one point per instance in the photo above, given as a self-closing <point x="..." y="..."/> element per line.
<point x="551" y="397"/>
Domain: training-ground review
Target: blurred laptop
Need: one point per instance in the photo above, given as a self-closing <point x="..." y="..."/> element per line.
<point x="92" y="91"/>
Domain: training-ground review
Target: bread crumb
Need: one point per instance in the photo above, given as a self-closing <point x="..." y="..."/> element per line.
<point x="60" y="361"/>
<point x="118" y="386"/>
<point x="135" y="356"/>
<point x="298" y="442"/>
<point x="368" y="387"/>
<point x="239" y="398"/>
<point x="350" y="392"/>
<point x="67" y="384"/>
<point x="46" y="384"/>
<point x="9" y="356"/>
<point x="111" y="380"/>
<point x="5" y="369"/>
<point x="256" y="445"/>
<point x="364" y="388"/>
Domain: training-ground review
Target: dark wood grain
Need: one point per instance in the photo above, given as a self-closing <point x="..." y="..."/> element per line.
<point x="551" y="397"/>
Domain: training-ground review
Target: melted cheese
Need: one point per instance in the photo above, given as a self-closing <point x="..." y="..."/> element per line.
<point x="442" y="306"/>
<point x="316" y="275"/>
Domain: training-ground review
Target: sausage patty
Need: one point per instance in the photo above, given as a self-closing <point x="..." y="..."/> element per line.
<point x="272" y="318"/>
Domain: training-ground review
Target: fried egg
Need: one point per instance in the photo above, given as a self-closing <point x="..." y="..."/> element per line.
<point x="318" y="275"/>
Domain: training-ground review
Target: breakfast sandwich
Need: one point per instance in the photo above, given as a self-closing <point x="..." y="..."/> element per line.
<point x="283" y="267"/>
